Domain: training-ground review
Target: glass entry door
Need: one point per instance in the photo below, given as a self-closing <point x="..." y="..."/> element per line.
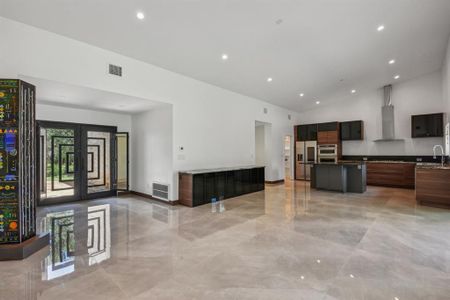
<point x="76" y="162"/>
<point x="59" y="174"/>
<point x="98" y="166"/>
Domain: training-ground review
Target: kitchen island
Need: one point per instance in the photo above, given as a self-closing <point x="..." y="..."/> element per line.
<point x="340" y="177"/>
<point x="198" y="187"/>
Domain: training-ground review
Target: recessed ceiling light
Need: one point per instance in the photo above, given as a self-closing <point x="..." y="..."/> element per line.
<point x="318" y="102"/>
<point x="269" y="79"/>
<point x="380" y="28"/>
<point x="392" y="61"/>
<point x="353" y="91"/>
<point x="140" y="15"/>
<point x="301" y="94"/>
<point x="396" y="76"/>
<point x="224" y="56"/>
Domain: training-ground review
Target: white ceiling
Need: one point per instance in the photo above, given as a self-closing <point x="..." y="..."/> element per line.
<point x="56" y="93"/>
<point x="323" y="48"/>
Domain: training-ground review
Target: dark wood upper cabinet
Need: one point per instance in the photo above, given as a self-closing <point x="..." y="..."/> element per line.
<point x="312" y="132"/>
<point x="307" y="132"/>
<point x="430" y="125"/>
<point x="329" y="126"/>
<point x="352" y="130"/>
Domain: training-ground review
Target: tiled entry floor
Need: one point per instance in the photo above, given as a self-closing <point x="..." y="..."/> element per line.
<point x="287" y="242"/>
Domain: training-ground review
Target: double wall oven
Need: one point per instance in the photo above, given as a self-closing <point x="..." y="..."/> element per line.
<point x="328" y="153"/>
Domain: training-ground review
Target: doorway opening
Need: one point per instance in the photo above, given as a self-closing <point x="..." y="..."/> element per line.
<point x="287" y="158"/>
<point x="123" y="161"/>
<point x="77" y="162"/>
<point x="263" y="135"/>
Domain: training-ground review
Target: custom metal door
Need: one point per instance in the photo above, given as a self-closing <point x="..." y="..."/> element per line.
<point x="58" y="155"/>
<point x="76" y="162"/>
<point x="98" y="153"/>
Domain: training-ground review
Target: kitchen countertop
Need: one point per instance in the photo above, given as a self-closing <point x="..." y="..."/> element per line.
<point x="432" y="166"/>
<point x="343" y="162"/>
<point x="201" y="171"/>
<point x="390" y="162"/>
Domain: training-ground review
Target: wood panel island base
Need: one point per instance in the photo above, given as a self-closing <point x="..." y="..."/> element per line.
<point x="433" y="186"/>
<point x="200" y="187"/>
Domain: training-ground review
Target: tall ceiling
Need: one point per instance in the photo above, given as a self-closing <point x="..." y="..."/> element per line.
<point x="322" y="48"/>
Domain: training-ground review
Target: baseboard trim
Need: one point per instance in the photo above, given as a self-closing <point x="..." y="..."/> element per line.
<point x="147" y="196"/>
<point x="274" y="181"/>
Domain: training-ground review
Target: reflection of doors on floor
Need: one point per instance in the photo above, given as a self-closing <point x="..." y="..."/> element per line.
<point x="76" y="161"/>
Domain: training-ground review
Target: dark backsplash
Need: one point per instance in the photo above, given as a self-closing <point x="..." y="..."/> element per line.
<point x="409" y="158"/>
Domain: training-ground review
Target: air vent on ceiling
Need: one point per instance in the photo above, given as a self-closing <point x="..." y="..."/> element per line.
<point x="265" y="110"/>
<point x="115" y="70"/>
<point x="160" y="191"/>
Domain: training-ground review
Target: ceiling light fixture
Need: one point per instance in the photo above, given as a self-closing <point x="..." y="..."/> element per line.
<point x="140" y="15"/>
<point x="396" y="76"/>
<point x="380" y="28"/>
<point x="224" y="56"/>
<point x="392" y="61"/>
<point x="301" y="94"/>
<point x="353" y="91"/>
<point x="269" y="79"/>
<point x="318" y="102"/>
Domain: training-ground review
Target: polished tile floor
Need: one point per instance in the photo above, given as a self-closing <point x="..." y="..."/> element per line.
<point x="287" y="242"/>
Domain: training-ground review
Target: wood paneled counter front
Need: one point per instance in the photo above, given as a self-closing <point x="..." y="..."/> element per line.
<point x="433" y="186"/>
<point x="391" y="174"/>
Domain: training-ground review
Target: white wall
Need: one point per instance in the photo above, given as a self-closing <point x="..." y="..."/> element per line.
<point x="418" y="96"/>
<point x="152" y="149"/>
<point x="214" y="126"/>
<point x="75" y="115"/>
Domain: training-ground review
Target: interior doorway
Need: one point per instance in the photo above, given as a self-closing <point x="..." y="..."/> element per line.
<point x="263" y="142"/>
<point x="76" y="162"/>
<point x="123" y="161"/>
<point x="287" y="158"/>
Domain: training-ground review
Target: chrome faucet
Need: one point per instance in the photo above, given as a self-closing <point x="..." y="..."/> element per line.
<point x="442" y="153"/>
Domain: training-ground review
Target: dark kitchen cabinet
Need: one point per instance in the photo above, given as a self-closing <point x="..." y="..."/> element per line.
<point x="307" y="132"/>
<point x="312" y="132"/>
<point x="352" y="130"/>
<point x="197" y="189"/>
<point x="230" y="184"/>
<point x="220" y="185"/>
<point x="430" y="125"/>
<point x="210" y="191"/>
<point x="329" y="126"/>
<point x="302" y="132"/>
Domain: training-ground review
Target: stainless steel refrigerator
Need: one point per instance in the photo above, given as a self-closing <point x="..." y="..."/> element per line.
<point x="306" y="156"/>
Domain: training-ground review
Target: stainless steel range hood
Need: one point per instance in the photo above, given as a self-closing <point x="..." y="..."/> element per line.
<point x="387" y="118"/>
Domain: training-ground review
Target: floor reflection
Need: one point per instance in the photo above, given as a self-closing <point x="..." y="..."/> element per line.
<point x="63" y="244"/>
<point x="286" y="241"/>
<point x="61" y="260"/>
<point x="99" y="233"/>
